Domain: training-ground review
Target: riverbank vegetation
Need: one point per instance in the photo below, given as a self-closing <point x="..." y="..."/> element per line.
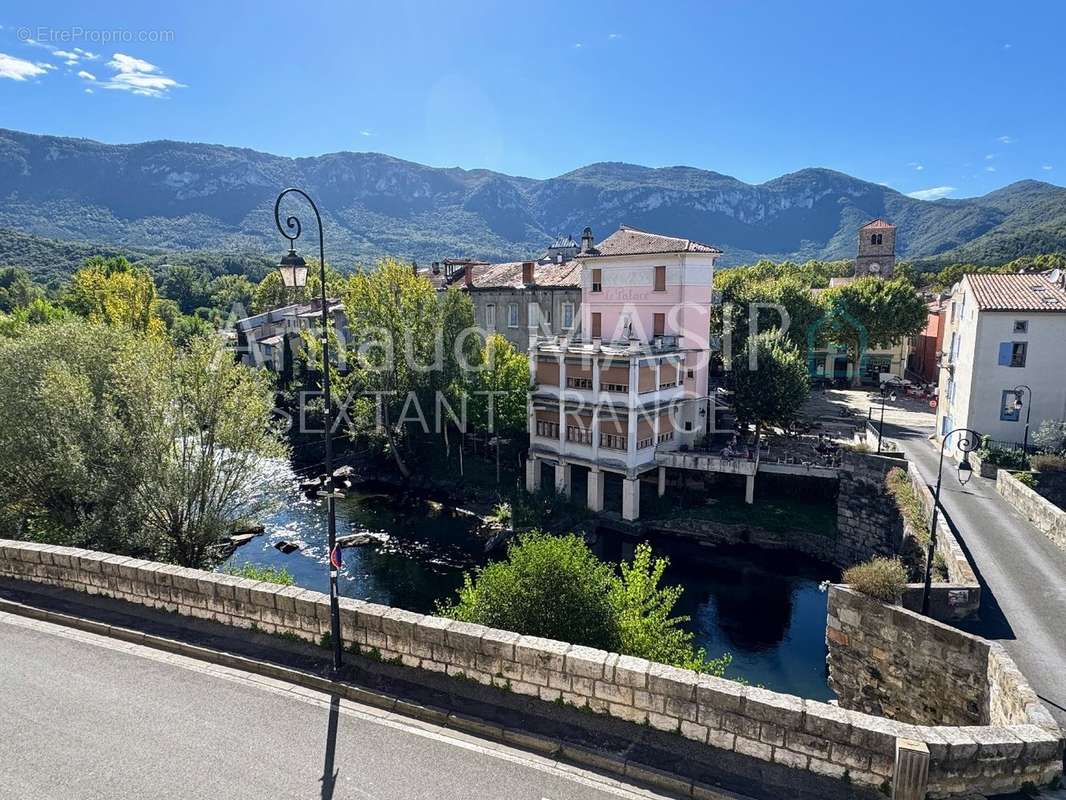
<point x="556" y="588"/>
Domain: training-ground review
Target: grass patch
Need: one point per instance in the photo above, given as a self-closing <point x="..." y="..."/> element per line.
<point x="909" y="504"/>
<point x="255" y="572"/>
<point x="880" y="578"/>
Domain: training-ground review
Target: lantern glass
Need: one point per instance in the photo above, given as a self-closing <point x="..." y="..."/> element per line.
<point x="965" y="469"/>
<point x="293" y="270"/>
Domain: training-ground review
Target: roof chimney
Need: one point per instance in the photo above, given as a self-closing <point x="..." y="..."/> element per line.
<point x="468" y="275"/>
<point x="586" y="240"/>
<point x="527" y="273"/>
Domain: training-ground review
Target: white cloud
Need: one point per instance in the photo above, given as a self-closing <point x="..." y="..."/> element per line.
<point x="18" y="69"/>
<point x="614" y="36"/>
<point x="918" y="167"/>
<point x="990" y="156"/>
<point x="88" y="91"/>
<point x="935" y="193"/>
<point x="1047" y="168"/>
<point x="990" y="169"/>
<point x="1007" y="46"/>
<point x="86" y="54"/>
<point x="138" y="76"/>
<point x="1006" y="140"/>
<point x="87" y="75"/>
<point x="577" y="44"/>
<point x="65" y="54"/>
<point x="366" y="133"/>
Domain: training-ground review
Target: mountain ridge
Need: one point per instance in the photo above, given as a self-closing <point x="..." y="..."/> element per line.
<point x="171" y="195"/>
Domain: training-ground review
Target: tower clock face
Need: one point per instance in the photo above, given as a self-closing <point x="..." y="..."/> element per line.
<point x="875" y="268"/>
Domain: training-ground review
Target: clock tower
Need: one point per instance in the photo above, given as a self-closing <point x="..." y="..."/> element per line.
<point x="877" y="250"/>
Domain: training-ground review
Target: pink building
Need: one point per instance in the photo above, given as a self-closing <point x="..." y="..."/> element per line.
<point x="634" y="380"/>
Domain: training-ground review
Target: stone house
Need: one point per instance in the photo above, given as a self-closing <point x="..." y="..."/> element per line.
<point x="272" y="338"/>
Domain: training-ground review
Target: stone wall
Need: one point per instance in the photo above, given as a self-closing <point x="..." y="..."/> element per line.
<point x="1045" y="515"/>
<point x="868" y="522"/>
<point x="786" y="732"/>
<point x="889" y="661"/>
<point x="816" y="545"/>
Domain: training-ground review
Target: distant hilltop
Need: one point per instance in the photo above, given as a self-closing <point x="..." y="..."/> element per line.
<point x="167" y="195"/>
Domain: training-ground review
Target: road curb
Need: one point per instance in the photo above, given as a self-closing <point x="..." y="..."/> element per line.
<point x="545" y="746"/>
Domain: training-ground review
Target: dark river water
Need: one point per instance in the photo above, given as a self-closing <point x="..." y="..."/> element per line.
<point x="764" y="609"/>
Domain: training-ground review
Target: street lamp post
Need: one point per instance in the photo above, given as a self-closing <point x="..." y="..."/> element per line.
<point x="293" y="271"/>
<point x="966" y="445"/>
<point x="1028" y="411"/>
<point x="885" y="393"/>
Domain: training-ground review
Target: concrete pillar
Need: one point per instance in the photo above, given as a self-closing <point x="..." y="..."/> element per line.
<point x="631" y="499"/>
<point x="562" y="479"/>
<point x="595" y="490"/>
<point x="749" y="489"/>
<point x="912" y="770"/>
<point x="532" y="475"/>
<point x="662" y="481"/>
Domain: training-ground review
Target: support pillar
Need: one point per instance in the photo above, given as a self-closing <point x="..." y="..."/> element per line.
<point x="662" y="481"/>
<point x="911" y="776"/>
<point x="749" y="489"/>
<point x="631" y="499"/>
<point x="532" y="475"/>
<point x="595" y="490"/>
<point x="562" y="479"/>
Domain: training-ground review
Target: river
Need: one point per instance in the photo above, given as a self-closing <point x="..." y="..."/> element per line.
<point x="765" y="609"/>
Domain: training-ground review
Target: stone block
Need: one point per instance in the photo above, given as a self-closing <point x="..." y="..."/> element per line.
<point x="827" y="721"/>
<point x="499" y="644"/>
<point x="753" y="748"/>
<point x="628" y="713"/>
<point x="772" y="734"/>
<point x="631" y="671"/>
<point x="723" y="740"/>
<point x="780" y="709"/>
<point x="995" y="743"/>
<point x="807" y="744"/>
<point x="400" y="624"/>
<point x="432" y="630"/>
<point x="369" y="616"/>
<point x="853" y="758"/>
<point x="740" y="725"/>
<point x="672" y="682"/>
<point x="682" y="709"/>
<point x="537" y="651"/>
<point x="586" y="662"/>
<point x="649" y="701"/>
<point x="790" y="759"/>
<point x="960" y="745"/>
<point x="465" y="636"/>
<point x="1040" y="744"/>
<point x="719" y="694"/>
<point x="613" y="693"/>
<point x="661" y="722"/>
<point x="694" y="731"/>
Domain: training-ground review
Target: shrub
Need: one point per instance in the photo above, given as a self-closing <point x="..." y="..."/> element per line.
<point x="555" y="587"/>
<point x="501" y="514"/>
<point x="1048" y="463"/>
<point x="1051" y="436"/>
<point x="882" y="578"/>
<point x="909" y="504"/>
<point x="1026" y="479"/>
<point x="1007" y="458"/>
<point x="266" y="574"/>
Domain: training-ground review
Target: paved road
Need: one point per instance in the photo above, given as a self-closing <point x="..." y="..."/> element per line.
<point x="83" y="717"/>
<point x="1022" y="571"/>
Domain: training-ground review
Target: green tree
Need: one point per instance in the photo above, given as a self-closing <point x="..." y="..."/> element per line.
<point x="462" y="354"/>
<point x="17" y="289"/>
<point x="770" y="382"/>
<point x="232" y="294"/>
<point x="115" y="292"/>
<point x="38" y="312"/>
<point x="872" y="312"/>
<point x="271" y="293"/>
<point x="186" y="286"/>
<point x="205" y="441"/>
<point x="555" y="587"/>
<point x="499" y="403"/>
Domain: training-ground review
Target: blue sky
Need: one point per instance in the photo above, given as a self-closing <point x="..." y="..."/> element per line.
<point x="950" y="98"/>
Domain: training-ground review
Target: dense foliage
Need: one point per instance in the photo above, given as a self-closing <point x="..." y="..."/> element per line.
<point x="882" y="578"/>
<point x="770" y="382"/>
<point x="555" y="587"/>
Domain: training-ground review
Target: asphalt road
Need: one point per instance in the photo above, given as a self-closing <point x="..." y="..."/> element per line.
<point x="1023" y="573"/>
<point x="83" y="717"/>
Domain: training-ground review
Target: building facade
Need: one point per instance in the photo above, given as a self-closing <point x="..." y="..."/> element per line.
<point x="273" y="338"/>
<point x="1003" y="331"/>
<point x="633" y="379"/>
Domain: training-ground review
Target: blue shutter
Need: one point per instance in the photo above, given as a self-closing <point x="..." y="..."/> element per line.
<point x="1004" y="354"/>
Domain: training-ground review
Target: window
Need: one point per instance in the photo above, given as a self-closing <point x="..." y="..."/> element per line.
<point x="1013" y="354"/>
<point x="660" y="279"/>
<point x="660" y="324"/>
<point x="580" y="435"/>
<point x="490" y="317"/>
<point x="613" y="441"/>
<point x="690" y="373"/>
<point x="1008" y="407"/>
<point x="597" y="280"/>
<point x="597" y="326"/>
<point x="549" y="430"/>
<point x="876" y="238"/>
<point x="512" y="315"/>
<point x="578" y="382"/>
<point x="568" y="316"/>
<point x="1021" y="326"/>
<point x="623" y="388"/>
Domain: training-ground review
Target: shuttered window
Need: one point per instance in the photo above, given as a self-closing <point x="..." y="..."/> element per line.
<point x="660" y="279"/>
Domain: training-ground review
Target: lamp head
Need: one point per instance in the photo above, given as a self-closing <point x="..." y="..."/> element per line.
<point x="293" y="270"/>
<point x="965" y="469"/>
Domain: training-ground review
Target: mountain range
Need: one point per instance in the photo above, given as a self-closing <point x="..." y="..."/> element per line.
<point x="165" y="197"/>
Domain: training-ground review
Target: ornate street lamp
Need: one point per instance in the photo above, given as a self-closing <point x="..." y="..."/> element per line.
<point x="966" y="445"/>
<point x="1018" y="393"/>
<point x="293" y="271"/>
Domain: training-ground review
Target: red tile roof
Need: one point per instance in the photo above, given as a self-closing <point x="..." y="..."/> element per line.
<point x="628" y="241"/>
<point x="509" y="275"/>
<point x="877" y="223"/>
<point x="1016" y="293"/>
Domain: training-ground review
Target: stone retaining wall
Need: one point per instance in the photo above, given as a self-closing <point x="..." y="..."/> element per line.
<point x="868" y="522"/>
<point x="960" y="596"/>
<point x="886" y="660"/>
<point x="792" y="733"/>
<point x="1045" y="515"/>
<point x="816" y="545"/>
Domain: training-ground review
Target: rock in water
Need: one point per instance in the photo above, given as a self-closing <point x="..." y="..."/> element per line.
<point x="286" y="546"/>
